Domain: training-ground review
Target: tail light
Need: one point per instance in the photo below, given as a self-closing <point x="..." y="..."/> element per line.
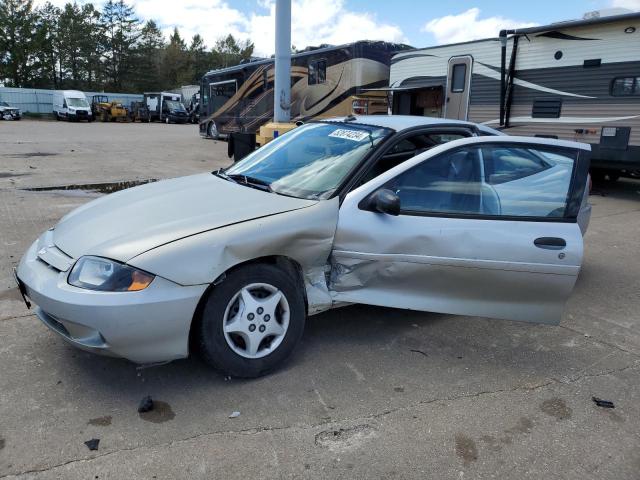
<point x="360" y="107"/>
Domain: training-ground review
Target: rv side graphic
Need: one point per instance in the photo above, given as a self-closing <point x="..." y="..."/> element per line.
<point x="577" y="80"/>
<point x="325" y="82"/>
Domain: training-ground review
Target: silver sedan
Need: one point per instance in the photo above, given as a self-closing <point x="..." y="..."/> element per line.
<point x="405" y="212"/>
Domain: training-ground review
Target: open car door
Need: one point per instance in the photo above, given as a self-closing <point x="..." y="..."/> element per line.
<point x="485" y="226"/>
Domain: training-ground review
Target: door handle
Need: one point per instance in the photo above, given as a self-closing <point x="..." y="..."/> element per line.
<point x="550" y="243"/>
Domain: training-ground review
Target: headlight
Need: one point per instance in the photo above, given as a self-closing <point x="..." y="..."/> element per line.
<point x="96" y="273"/>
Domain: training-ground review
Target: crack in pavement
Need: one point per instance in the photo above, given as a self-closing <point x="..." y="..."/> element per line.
<point x="258" y="430"/>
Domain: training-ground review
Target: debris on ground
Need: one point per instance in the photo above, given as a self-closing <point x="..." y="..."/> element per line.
<point x="146" y="404"/>
<point x="603" y="403"/>
<point x="413" y="350"/>
<point x="92" y="444"/>
<point x="234" y="415"/>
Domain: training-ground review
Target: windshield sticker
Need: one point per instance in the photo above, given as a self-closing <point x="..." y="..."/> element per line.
<point x="353" y="135"/>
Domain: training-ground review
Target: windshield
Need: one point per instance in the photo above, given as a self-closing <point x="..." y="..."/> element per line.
<point x="77" y="102"/>
<point x="174" y="105"/>
<point x="4" y="104"/>
<point x="310" y="161"/>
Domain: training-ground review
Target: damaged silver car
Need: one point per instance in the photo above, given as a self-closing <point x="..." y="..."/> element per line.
<point x="406" y="212"/>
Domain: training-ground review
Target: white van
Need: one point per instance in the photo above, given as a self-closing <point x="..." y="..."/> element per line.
<point x="72" y="105"/>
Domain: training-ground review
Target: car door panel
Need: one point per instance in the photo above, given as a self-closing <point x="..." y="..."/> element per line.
<point x="469" y="268"/>
<point x="461" y="265"/>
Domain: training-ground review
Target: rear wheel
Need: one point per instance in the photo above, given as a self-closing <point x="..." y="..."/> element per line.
<point x="251" y="322"/>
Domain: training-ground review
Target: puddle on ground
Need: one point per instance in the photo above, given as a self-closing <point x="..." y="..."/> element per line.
<point x="161" y="413"/>
<point x="12" y="174"/>
<point x="84" y="188"/>
<point x="30" y="154"/>
<point x="100" y="421"/>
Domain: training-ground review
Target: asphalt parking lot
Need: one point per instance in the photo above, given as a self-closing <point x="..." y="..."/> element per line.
<point x="370" y="393"/>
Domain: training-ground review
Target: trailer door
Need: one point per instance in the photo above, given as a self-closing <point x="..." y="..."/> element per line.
<point x="458" y="87"/>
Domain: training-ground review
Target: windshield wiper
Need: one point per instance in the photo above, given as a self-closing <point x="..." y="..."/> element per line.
<point x="250" y="181"/>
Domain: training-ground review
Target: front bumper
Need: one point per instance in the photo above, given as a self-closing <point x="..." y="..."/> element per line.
<point x="178" y="118"/>
<point x="11" y="114"/>
<point x="148" y="326"/>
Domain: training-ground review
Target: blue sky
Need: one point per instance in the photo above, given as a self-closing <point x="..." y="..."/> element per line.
<point x="420" y="23"/>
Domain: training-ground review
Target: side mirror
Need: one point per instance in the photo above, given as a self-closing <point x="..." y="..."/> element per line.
<point x="385" y="201"/>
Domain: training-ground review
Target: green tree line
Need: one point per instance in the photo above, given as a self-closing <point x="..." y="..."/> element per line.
<point x="82" y="47"/>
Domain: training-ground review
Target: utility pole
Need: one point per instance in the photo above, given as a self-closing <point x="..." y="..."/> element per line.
<point x="282" y="86"/>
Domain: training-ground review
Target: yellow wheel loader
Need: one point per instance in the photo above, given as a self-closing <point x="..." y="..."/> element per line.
<point x="108" y="111"/>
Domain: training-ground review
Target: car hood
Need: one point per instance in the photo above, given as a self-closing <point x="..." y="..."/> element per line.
<point x="125" y="224"/>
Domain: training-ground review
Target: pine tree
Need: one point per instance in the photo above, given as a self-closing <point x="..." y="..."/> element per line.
<point x="228" y="51"/>
<point x="199" y="59"/>
<point x="175" y="62"/>
<point x="18" y="46"/>
<point x="121" y="32"/>
<point x="149" y="53"/>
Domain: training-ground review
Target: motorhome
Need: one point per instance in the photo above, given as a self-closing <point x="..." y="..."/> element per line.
<point x="165" y="107"/>
<point x="71" y="105"/>
<point x="575" y="80"/>
<point x="325" y="81"/>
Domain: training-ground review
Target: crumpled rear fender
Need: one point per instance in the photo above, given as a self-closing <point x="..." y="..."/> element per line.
<point x="304" y="236"/>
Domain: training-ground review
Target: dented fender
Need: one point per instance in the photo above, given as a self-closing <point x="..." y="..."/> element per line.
<point x="304" y="235"/>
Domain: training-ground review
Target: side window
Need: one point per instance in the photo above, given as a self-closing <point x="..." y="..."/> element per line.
<point x="458" y="77"/>
<point x="317" y="72"/>
<point x="625" y="86"/>
<point x="408" y="148"/>
<point x="508" y="164"/>
<point x="494" y="180"/>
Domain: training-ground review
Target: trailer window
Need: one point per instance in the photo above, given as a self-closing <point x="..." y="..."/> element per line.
<point x="625" y="86"/>
<point x="317" y="72"/>
<point x="458" y="77"/>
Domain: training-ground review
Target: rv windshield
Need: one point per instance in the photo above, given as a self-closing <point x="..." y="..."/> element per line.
<point x="311" y="161"/>
<point x="77" y="102"/>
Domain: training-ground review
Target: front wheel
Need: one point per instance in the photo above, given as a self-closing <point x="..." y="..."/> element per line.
<point x="251" y="322"/>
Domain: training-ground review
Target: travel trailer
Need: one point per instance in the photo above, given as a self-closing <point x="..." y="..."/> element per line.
<point x="575" y="80"/>
<point x="325" y="82"/>
<point x="71" y="105"/>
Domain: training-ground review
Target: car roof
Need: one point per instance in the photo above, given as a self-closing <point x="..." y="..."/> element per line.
<point x="405" y="122"/>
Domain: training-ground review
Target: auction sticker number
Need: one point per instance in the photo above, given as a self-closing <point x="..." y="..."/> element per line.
<point x="353" y="135"/>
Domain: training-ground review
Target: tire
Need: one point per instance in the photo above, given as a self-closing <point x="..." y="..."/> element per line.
<point x="166" y="120"/>
<point x="236" y="301"/>
<point x="57" y="115"/>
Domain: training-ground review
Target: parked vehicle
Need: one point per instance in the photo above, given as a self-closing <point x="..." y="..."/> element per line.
<point x="576" y="80"/>
<point x="7" y="112"/>
<point x="138" y="111"/>
<point x="71" y="105"/>
<point x="325" y="82"/>
<point x="193" y="108"/>
<point x="108" y="111"/>
<point x="173" y="111"/>
<point x="397" y="211"/>
<point x="165" y="107"/>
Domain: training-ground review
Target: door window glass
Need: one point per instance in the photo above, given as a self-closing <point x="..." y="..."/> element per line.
<point x="494" y="180"/>
<point x="458" y="77"/>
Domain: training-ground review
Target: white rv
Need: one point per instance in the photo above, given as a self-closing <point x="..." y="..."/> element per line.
<point x="71" y="105"/>
<point x="575" y="80"/>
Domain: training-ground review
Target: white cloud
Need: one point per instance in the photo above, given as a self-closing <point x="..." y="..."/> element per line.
<point x="313" y="22"/>
<point x="468" y="26"/>
<point x="630" y="4"/>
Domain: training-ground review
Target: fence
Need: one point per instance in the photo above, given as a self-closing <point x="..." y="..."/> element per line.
<point x="37" y="100"/>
